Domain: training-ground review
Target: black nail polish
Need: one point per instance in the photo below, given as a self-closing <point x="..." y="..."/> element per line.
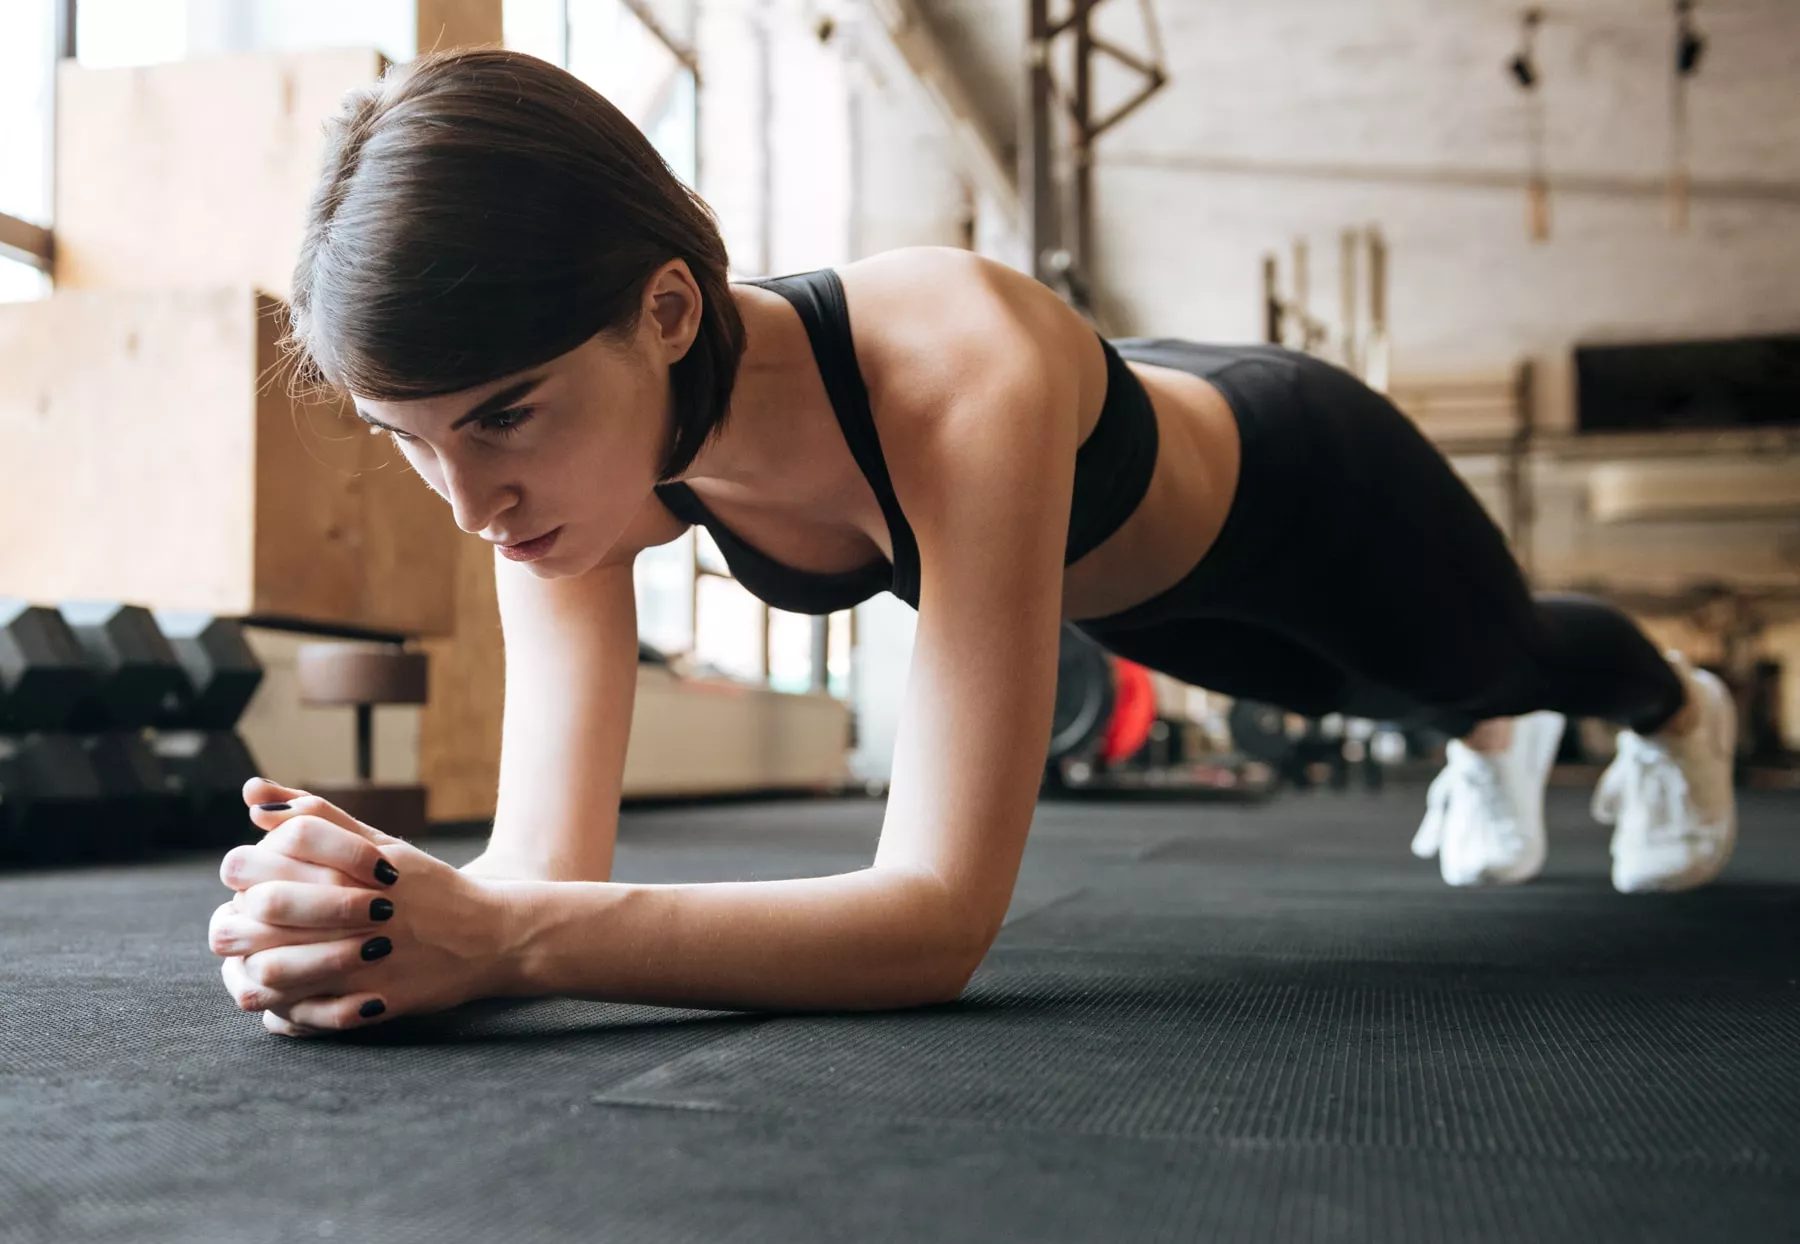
<point x="381" y="909"/>
<point x="376" y="947"/>
<point x="372" y="1008"/>
<point x="274" y="807"/>
<point x="386" y="873"/>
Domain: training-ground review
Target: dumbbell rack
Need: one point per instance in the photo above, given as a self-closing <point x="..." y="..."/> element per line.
<point x="118" y="731"/>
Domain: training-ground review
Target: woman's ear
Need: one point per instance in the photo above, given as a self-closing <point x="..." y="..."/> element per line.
<point x="674" y="305"/>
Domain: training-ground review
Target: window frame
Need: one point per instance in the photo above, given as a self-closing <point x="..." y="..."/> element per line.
<point x="20" y="240"/>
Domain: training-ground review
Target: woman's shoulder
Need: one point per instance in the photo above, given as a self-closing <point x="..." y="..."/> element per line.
<point x="930" y="321"/>
<point x="941" y="290"/>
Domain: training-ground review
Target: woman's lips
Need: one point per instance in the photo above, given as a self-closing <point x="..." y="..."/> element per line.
<point x="530" y="550"/>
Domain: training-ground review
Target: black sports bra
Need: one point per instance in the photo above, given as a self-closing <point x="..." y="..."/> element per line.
<point x="1112" y="468"/>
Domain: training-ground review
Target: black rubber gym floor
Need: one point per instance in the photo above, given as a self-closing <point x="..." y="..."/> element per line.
<point x="1201" y="1023"/>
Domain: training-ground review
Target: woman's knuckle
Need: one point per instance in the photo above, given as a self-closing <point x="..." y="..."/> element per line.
<point x="236" y="865"/>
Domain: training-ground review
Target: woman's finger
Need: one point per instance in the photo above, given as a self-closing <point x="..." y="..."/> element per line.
<point x="245" y="866"/>
<point x="231" y="931"/>
<point x="286" y="975"/>
<point x="353" y="1010"/>
<point x="262" y="790"/>
<point x="282" y="1026"/>
<point x="301" y="905"/>
<point x="248" y="995"/>
<point x="271" y="804"/>
<point x="314" y="840"/>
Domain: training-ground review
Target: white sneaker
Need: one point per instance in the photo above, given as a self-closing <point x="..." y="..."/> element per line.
<point x="1484" y="817"/>
<point x="1671" y="798"/>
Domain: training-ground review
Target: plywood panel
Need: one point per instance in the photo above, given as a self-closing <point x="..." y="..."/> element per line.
<point x="192" y="173"/>
<point x="459" y="727"/>
<point x="127" y="468"/>
<point x="699" y="736"/>
<point x="152" y="454"/>
<point x="344" y="528"/>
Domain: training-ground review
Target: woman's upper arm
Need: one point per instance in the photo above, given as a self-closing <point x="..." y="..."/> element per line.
<point x="976" y="714"/>
<point x="571" y="683"/>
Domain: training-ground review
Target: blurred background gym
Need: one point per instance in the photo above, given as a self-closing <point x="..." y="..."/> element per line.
<point x="1565" y="238"/>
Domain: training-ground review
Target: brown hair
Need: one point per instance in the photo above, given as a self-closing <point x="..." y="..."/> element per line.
<point x="481" y="212"/>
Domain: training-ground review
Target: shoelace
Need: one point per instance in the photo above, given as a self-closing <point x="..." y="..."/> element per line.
<point x="1645" y="785"/>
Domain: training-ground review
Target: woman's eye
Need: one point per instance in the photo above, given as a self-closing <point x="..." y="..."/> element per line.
<point x="506" y="422"/>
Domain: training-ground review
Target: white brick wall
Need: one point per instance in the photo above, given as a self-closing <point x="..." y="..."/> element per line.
<point x="1287" y="101"/>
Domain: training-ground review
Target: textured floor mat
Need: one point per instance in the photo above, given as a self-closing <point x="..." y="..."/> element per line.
<point x="1212" y="1022"/>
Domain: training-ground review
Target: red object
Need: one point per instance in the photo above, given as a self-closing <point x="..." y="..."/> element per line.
<point x="1134" y="709"/>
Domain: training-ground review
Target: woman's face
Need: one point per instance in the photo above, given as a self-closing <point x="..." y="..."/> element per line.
<point x="571" y="447"/>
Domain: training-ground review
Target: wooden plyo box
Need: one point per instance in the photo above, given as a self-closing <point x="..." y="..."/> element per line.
<point x="197" y="172"/>
<point x="151" y="451"/>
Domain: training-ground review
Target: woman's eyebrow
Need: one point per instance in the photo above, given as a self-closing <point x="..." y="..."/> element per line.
<point x="486" y="406"/>
<point x="499" y="401"/>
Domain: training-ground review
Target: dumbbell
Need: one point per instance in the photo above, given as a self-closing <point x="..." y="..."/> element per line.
<point x="138" y="681"/>
<point x="50" y="802"/>
<point x="78" y="686"/>
<point x="196" y="741"/>
<point x="44" y="675"/>
<point x="52" y="797"/>
<point x="361" y="676"/>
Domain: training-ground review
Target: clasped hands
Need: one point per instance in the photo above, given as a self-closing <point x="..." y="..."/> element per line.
<point x="337" y="925"/>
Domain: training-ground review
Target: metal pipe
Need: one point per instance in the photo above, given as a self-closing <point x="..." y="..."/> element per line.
<point x="65" y="30"/>
<point x="1271" y="303"/>
<point x="765" y="145"/>
<point x="1035" y="179"/>
<point x="365" y="742"/>
<point x="821" y="653"/>
<point x="1378" y="255"/>
<point x="1375" y="355"/>
<point x="1083" y="171"/>
<point x="1300" y="294"/>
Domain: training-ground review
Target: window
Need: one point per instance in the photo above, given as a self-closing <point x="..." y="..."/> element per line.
<point x="27" y="62"/>
<point x="110" y="33"/>
<point x="21" y="282"/>
<point x="687" y="599"/>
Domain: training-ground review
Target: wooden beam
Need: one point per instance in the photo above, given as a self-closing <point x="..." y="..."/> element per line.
<point x="25" y="242"/>
<point x="446" y="24"/>
<point x="459" y="727"/>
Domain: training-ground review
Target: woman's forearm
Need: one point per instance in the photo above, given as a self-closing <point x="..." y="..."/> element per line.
<point x="868" y="940"/>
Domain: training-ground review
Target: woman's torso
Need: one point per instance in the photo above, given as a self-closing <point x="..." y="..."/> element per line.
<point x="827" y="518"/>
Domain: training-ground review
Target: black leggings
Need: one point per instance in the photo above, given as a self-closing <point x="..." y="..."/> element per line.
<point x="1357" y="574"/>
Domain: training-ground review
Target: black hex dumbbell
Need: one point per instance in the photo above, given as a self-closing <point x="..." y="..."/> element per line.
<point x="44" y="675"/>
<point x="138" y="679"/>
<point x="197" y="742"/>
